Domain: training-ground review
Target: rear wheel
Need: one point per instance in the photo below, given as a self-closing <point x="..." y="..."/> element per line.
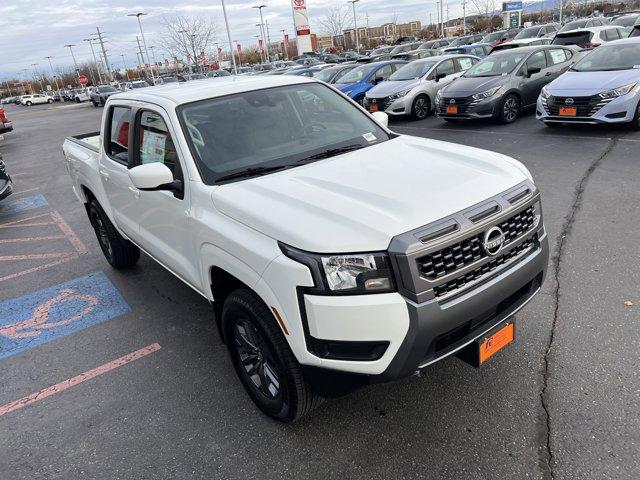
<point x="509" y="110"/>
<point x="49" y="101"/>
<point x="261" y="356"/>
<point x="421" y="107"/>
<point x="118" y="251"/>
<point x="29" y="104"/>
<point x="95" y="104"/>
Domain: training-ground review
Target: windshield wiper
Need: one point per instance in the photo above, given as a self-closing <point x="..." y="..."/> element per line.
<point x="332" y="152"/>
<point x="251" y="172"/>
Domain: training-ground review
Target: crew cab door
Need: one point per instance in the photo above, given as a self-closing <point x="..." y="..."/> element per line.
<point x="164" y="217"/>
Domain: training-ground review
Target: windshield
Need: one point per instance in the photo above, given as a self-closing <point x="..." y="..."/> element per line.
<point x="530" y="32"/>
<point x="625" y="21"/>
<point x="613" y="57"/>
<point x="573" y="25"/>
<point x="460" y="41"/>
<point x="357" y="74"/>
<point x="381" y="51"/>
<point x="106" y="89"/>
<point x="139" y="84"/>
<point x="495" y="65"/>
<point x="274" y="128"/>
<point x="169" y="79"/>
<point x="582" y="38"/>
<point x="494" y="37"/>
<point x="413" y="70"/>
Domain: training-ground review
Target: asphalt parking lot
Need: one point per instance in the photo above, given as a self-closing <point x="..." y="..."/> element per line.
<point x="562" y="403"/>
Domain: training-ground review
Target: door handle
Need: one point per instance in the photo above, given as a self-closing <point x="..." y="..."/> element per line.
<point x="135" y="191"/>
<point x="104" y="174"/>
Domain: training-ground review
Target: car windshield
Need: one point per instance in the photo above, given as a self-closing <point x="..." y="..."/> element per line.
<point x="107" y="89"/>
<point x="381" y="51"/>
<point x="139" y="84"/>
<point x="257" y="132"/>
<point x="326" y="75"/>
<point x="357" y="74"/>
<point x="494" y="37"/>
<point x="495" y="65"/>
<point x="530" y="32"/>
<point x="626" y="20"/>
<point x="460" y="41"/>
<point x="582" y="37"/>
<point x="169" y="79"/>
<point x="610" y="57"/>
<point x="413" y="70"/>
<point x="573" y="25"/>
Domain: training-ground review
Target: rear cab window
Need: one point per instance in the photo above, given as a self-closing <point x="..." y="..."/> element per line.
<point x="117" y="142"/>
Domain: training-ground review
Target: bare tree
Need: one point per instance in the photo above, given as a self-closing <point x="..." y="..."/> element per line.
<point x="485" y="7"/>
<point x="336" y="19"/>
<point x="184" y="36"/>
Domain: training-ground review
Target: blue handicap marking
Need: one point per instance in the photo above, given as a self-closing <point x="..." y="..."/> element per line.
<point x="20" y="205"/>
<point x="58" y="311"/>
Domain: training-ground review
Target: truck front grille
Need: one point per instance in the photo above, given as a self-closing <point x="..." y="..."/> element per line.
<point x="454" y="257"/>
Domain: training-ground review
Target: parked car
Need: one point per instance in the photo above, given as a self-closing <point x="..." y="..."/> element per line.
<point x="136" y="84"/>
<point x="435" y="44"/>
<point x="590" y="37"/>
<point x="6" y="185"/>
<point x="412" y="89"/>
<point x="479" y="50"/>
<point x="584" y="23"/>
<point x="635" y="32"/>
<point x="35" y="99"/>
<point x="100" y="94"/>
<point x="466" y="40"/>
<point x="501" y="36"/>
<point x="195" y="76"/>
<point x="303" y="72"/>
<point x="523" y="42"/>
<point x="218" y="73"/>
<point x="416" y="55"/>
<point x="357" y="82"/>
<point x="503" y="84"/>
<point x="350" y="56"/>
<point x="164" y="79"/>
<point x="5" y="123"/>
<point x="627" y="21"/>
<point x="333" y="74"/>
<point x="82" y="94"/>
<point x="317" y="234"/>
<point x="603" y="87"/>
<point x="538" y="31"/>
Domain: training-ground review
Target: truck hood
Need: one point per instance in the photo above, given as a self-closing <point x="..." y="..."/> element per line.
<point x="591" y="83"/>
<point x="360" y="200"/>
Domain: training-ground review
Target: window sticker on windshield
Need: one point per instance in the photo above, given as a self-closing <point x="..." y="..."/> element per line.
<point x="369" y="137"/>
<point x="152" y="147"/>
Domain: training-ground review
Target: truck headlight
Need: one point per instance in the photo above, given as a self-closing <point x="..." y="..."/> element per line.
<point x="346" y="274"/>
<point x="617" y="92"/>
<point x="487" y="94"/>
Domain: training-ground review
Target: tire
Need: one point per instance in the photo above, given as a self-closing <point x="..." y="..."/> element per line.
<point x="421" y="107"/>
<point x="29" y="104"/>
<point x="118" y="251"/>
<point x="49" y="101"/>
<point x="263" y="361"/>
<point x="94" y="104"/>
<point x="77" y="100"/>
<point x="509" y="109"/>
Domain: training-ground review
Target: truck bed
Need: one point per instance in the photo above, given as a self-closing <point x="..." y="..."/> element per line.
<point x="88" y="140"/>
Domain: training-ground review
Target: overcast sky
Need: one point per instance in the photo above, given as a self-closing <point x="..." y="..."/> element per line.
<point x="33" y="29"/>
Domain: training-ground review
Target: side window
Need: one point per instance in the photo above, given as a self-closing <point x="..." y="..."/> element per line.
<point x="117" y="145"/>
<point x="537" y="61"/>
<point x="156" y="144"/>
<point x="464" y="63"/>
<point x="445" y="68"/>
<point x="383" y="73"/>
<point x="557" y="55"/>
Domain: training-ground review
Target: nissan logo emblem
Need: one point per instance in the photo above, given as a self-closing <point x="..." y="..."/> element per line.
<point x="493" y="241"/>
<point x="568" y="101"/>
<point x="452" y="101"/>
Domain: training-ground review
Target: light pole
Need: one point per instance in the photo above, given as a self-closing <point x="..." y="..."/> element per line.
<point x="35" y="75"/>
<point x="75" y="64"/>
<point x="226" y="22"/>
<point x="464" y="16"/>
<point x="260" y="7"/>
<point x="95" y="60"/>
<point x="144" y="41"/>
<point x="355" y="23"/>
<point x="55" y="77"/>
<point x="124" y="64"/>
<point x="442" y="16"/>
<point x="284" y="44"/>
<point x="153" y="55"/>
<point x="259" y="49"/>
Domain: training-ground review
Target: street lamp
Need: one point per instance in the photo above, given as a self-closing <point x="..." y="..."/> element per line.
<point x="55" y="77"/>
<point x="144" y="41"/>
<point x="35" y="75"/>
<point x="355" y="23"/>
<point x="260" y="7"/>
<point x="95" y="60"/>
<point x="75" y="64"/>
<point x="124" y="64"/>
<point x="284" y="44"/>
<point x="226" y="22"/>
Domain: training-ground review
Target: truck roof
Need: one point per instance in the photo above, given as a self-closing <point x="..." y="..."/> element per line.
<point x="195" y="90"/>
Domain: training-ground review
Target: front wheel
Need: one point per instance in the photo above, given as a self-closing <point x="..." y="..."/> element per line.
<point x="263" y="361"/>
<point x="118" y="251"/>
<point x="95" y="104"/>
<point x="29" y="104"/>
<point x="509" y="110"/>
<point x="421" y="107"/>
<point x="49" y="101"/>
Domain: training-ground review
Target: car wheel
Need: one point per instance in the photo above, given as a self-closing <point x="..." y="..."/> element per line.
<point x="118" y="251"/>
<point x="421" y="107"/>
<point x="94" y="103"/>
<point x="263" y="361"/>
<point x="77" y="100"/>
<point x="49" y="101"/>
<point x="29" y="104"/>
<point x="509" y="109"/>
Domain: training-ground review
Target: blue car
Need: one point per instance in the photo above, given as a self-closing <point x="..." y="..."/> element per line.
<point x="356" y="83"/>
<point x="479" y="50"/>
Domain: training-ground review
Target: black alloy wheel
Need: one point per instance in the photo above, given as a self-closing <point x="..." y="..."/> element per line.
<point x="118" y="251"/>
<point x="510" y="109"/>
<point x="421" y="108"/>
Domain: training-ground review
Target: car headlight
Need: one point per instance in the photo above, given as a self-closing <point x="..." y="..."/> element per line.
<point x="617" y="92"/>
<point x="398" y="95"/>
<point x="489" y="93"/>
<point x="346" y="274"/>
<point x="545" y="92"/>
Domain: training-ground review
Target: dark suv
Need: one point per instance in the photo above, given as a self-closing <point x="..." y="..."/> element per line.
<point x="100" y="94"/>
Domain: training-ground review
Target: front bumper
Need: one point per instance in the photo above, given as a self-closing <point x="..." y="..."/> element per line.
<point x="619" y="110"/>
<point x="469" y="109"/>
<point x="397" y="107"/>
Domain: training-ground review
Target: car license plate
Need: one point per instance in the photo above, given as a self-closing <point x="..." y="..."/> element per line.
<point x="568" y="111"/>
<point x="373" y="107"/>
<point x="495" y="341"/>
<point x="452" y="109"/>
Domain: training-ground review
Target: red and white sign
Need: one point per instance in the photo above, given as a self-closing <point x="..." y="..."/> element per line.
<point x="84" y="81"/>
<point x="260" y="45"/>
<point x="301" y="23"/>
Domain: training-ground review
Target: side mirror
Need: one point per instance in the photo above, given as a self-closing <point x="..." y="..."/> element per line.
<point x="152" y="176"/>
<point x="440" y="76"/>
<point x="531" y="71"/>
<point x="381" y="117"/>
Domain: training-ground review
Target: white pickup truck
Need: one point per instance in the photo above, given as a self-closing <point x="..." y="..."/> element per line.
<point x="335" y="252"/>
